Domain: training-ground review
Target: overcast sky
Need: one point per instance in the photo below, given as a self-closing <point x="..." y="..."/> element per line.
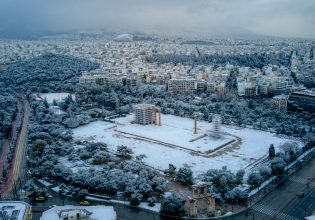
<point x="284" y="18"/>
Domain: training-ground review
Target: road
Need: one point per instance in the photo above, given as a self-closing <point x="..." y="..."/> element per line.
<point x="123" y="212"/>
<point x="283" y="203"/>
<point x="6" y="146"/>
<point x="17" y="171"/>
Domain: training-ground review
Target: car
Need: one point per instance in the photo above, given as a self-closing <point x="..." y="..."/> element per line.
<point x="40" y="198"/>
<point x="84" y="203"/>
<point x="301" y="194"/>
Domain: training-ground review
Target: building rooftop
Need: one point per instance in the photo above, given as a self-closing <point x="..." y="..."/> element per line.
<point x="144" y="106"/>
<point x="182" y="79"/>
<point x="100" y="212"/>
<point x="13" y="210"/>
<point x="305" y="92"/>
<point x="281" y="96"/>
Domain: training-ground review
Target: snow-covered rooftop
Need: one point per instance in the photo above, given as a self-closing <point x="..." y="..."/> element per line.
<point x="100" y="212"/>
<point x="13" y="210"/>
<point x="50" y="97"/>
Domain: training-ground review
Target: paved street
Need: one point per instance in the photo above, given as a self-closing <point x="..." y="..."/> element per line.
<point x="17" y="171"/>
<point x="283" y="203"/>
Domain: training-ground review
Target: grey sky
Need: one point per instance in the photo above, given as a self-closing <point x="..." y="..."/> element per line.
<point x="285" y="18"/>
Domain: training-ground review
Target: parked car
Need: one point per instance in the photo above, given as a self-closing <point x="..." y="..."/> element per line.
<point x="85" y="203"/>
<point x="40" y="198"/>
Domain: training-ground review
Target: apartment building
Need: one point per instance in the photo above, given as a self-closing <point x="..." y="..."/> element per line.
<point x="182" y="85"/>
<point x="280" y="102"/>
<point x="302" y="101"/>
<point x="145" y="114"/>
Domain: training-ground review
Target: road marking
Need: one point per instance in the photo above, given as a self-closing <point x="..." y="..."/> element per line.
<point x="267" y="210"/>
<point x="298" y="179"/>
<point x="283" y="216"/>
<point x="264" y="209"/>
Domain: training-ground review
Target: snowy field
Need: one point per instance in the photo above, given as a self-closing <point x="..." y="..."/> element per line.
<point x="51" y="96"/>
<point x="254" y="144"/>
<point x="176" y="132"/>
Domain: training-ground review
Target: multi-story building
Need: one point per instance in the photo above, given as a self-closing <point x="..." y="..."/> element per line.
<point x="130" y="81"/>
<point x="201" y="86"/>
<point x="182" y="85"/>
<point x="302" y="101"/>
<point x="250" y="91"/>
<point x="70" y="212"/>
<point x="15" y="210"/>
<point x="145" y="114"/>
<point x="99" y="79"/>
<point x="87" y="79"/>
<point x="282" y="86"/>
<point x="280" y="102"/>
<point x="247" y="89"/>
<point x="211" y="87"/>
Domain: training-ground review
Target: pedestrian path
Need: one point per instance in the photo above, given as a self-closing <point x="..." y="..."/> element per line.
<point x="267" y="210"/>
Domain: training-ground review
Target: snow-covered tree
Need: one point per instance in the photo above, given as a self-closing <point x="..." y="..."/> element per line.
<point x="151" y="201"/>
<point x="171" y="170"/>
<point x="239" y="176"/>
<point x="265" y="171"/>
<point x="254" y="179"/>
<point x="173" y="205"/>
<point x="223" y="180"/>
<point x="277" y="165"/>
<point x="272" y="152"/>
<point x="235" y="195"/>
<point x="184" y="175"/>
<point x="135" y="199"/>
<point x="124" y="151"/>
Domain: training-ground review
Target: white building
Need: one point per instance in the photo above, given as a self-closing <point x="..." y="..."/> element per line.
<point x="246" y="89"/>
<point x="87" y="79"/>
<point x="70" y="212"/>
<point x="15" y="210"/>
<point x="280" y="102"/>
<point x="182" y="85"/>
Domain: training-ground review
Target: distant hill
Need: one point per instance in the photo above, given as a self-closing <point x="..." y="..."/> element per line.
<point x="44" y="73"/>
<point x="250" y="60"/>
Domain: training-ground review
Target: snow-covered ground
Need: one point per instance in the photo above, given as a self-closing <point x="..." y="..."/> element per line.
<point x="254" y="143"/>
<point x="44" y="182"/>
<point x="144" y="205"/>
<point x="76" y="166"/>
<point x="51" y="96"/>
<point x="176" y="132"/>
